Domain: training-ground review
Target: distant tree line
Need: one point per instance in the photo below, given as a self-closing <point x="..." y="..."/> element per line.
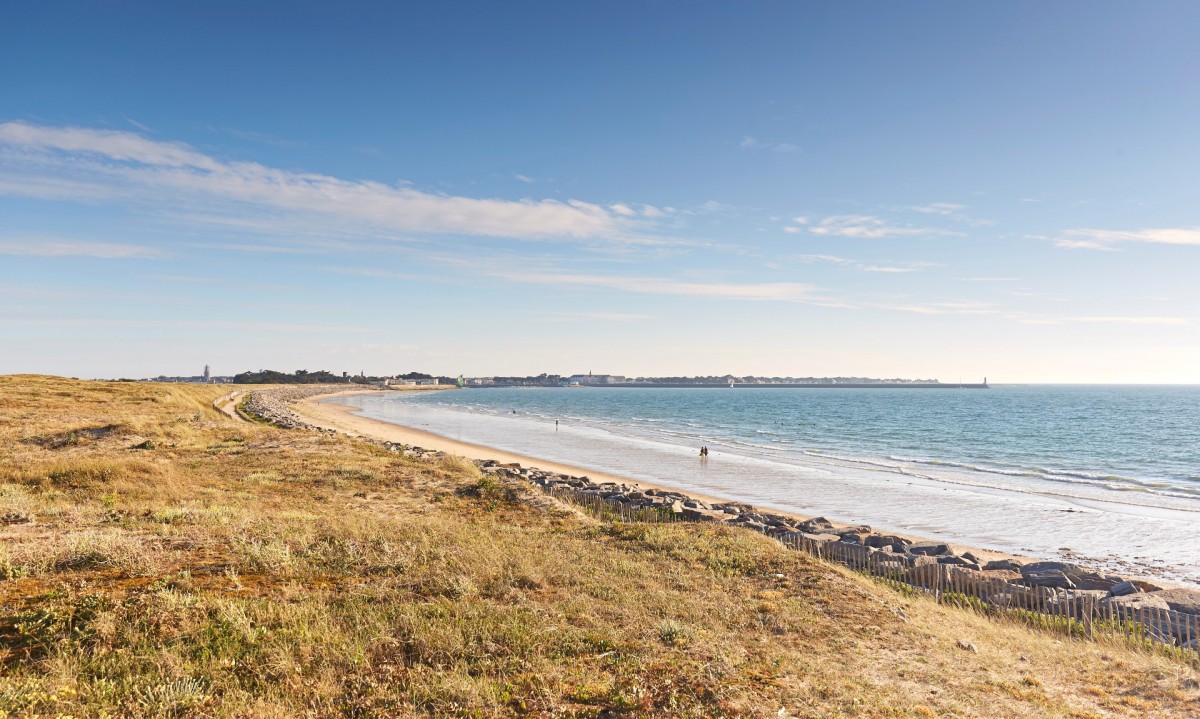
<point x="300" y="376"/>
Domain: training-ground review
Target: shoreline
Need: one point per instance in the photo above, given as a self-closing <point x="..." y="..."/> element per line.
<point x="346" y="419"/>
<point x="337" y="417"/>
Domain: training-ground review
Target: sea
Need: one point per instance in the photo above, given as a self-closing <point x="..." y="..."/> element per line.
<point x="1107" y="476"/>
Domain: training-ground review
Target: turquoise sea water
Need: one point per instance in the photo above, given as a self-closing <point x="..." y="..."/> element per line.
<point x="1109" y="473"/>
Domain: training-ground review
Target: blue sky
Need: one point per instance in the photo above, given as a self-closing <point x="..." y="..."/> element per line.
<point x="935" y="189"/>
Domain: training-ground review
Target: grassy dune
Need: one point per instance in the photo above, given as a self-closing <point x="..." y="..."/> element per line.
<point x="158" y="558"/>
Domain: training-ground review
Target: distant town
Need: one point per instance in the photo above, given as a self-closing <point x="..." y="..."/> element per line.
<point x="542" y="380"/>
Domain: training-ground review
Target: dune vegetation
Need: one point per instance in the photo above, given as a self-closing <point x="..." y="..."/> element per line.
<point x="161" y="558"/>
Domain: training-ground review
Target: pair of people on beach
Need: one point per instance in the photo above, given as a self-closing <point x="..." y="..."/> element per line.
<point x="704" y="452"/>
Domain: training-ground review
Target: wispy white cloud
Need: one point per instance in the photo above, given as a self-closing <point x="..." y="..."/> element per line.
<point x="885" y="266"/>
<point x="762" y="291"/>
<point x="870" y="227"/>
<point x="601" y="316"/>
<point x="947" y="307"/>
<point x="524" y="178"/>
<point x="821" y="258"/>
<point x="753" y="143"/>
<point x="944" y="209"/>
<point x="888" y="269"/>
<point x="138" y="125"/>
<point x="58" y="162"/>
<point x="1092" y="239"/>
<point x="54" y="247"/>
<point x="1117" y="320"/>
<point x="178" y="324"/>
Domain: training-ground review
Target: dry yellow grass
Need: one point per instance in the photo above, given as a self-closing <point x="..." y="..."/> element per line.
<point x="163" y="559"/>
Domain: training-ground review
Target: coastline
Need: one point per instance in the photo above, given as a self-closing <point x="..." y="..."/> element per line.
<point x="346" y="418"/>
<point x="1136" y="581"/>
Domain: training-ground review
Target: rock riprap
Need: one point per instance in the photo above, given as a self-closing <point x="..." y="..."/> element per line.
<point x="272" y="404"/>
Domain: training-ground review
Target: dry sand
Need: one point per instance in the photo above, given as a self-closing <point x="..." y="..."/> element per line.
<point x="345" y="418"/>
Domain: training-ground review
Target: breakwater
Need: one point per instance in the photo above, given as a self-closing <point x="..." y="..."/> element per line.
<point x="273" y="405"/>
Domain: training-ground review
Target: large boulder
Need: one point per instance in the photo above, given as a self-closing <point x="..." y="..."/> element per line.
<point x="1010" y="565"/>
<point x="1120" y="589"/>
<point x="1049" y="574"/>
<point x="1049" y="566"/>
<point x="1132" y="602"/>
<point x="1181" y="600"/>
<point x="1092" y="580"/>
<point x="958" y="562"/>
<point x="704" y="515"/>
<point x="816" y="525"/>
<point x="820" y="537"/>
<point x="929" y="549"/>
<point x="1053" y="578"/>
<point x="887" y="540"/>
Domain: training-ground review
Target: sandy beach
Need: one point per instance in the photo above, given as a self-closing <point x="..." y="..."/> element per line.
<point x="346" y="419"/>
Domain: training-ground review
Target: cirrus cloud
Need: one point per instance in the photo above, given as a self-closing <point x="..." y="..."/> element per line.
<point x="108" y="165"/>
<point x="870" y="227"/>
<point x="1093" y="239"/>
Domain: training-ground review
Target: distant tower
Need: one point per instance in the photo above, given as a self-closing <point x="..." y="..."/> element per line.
<point x="207" y="374"/>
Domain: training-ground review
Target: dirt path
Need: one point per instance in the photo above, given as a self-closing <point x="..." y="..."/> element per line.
<point x="228" y="404"/>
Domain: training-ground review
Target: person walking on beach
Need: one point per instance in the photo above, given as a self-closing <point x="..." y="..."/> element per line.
<point x="556" y="425"/>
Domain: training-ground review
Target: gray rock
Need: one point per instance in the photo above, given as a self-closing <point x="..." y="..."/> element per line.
<point x="958" y="562"/>
<point x="820" y="537"/>
<point x="1122" y="588"/>
<point x="1092" y="580"/>
<point x="1186" y="601"/>
<point x="1139" y="601"/>
<point x="1054" y="578"/>
<point x="1063" y="567"/>
<point x="885" y="540"/>
<point x="931" y="549"/>
<point x="1011" y="565"/>
<point x="817" y="525"/>
<point x="697" y="514"/>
